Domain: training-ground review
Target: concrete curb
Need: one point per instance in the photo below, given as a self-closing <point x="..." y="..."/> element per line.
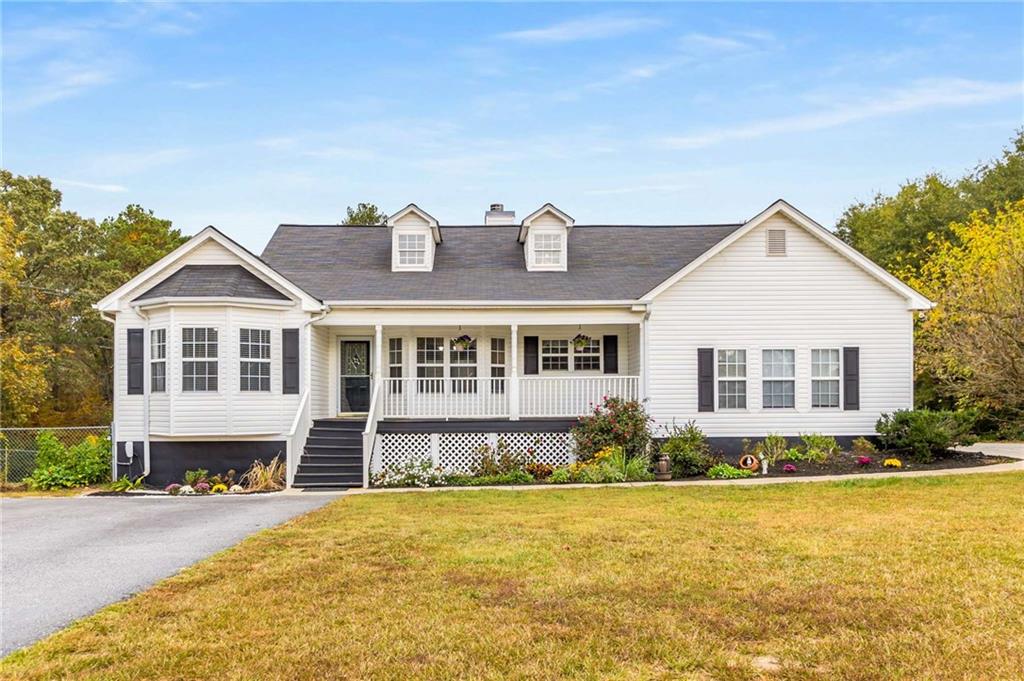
<point x="1010" y="450"/>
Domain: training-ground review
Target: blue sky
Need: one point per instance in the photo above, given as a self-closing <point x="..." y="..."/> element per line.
<point x="247" y="115"/>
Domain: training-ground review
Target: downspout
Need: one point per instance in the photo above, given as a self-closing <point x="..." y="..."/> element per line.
<point x="108" y="317"/>
<point x="145" y="391"/>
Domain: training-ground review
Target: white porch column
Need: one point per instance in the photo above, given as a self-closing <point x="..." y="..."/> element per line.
<point x="378" y="352"/>
<point x="644" y="338"/>
<point x="513" y="379"/>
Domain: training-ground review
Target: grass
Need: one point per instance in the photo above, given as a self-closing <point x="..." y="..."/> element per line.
<point x="917" y="578"/>
<point x="18" y="490"/>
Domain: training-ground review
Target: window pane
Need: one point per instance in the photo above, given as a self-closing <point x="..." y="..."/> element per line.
<point x="779" y="394"/>
<point x="778" y="363"/>
<point x="732" y="394"/>
<point x="554" y="355"/>
<point x="588" y="358"/>
<point x="732" y="363"/>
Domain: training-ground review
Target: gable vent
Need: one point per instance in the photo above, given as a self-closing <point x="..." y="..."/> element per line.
<point x="776" y="241"/>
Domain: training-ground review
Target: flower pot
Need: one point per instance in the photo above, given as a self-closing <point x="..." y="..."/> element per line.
<point x="663" y="469"/>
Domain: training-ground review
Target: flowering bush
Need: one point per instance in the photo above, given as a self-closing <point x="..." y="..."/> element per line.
<point x="789" y="468"/>
<point x="219" y="488"/>
<point x="613" y="422"/>
<point x="864" y="460"/>
<point x="413" y="472"/>
<point x="173" y="489"/>
<point x="892" y="463"/>
<point x="202" y="487"/>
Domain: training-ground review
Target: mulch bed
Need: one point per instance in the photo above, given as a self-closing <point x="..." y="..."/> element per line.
<point x="845" y="463"/>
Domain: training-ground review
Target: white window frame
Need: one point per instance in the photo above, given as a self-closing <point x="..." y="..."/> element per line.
<point x="412" y="250"/>
<point x="818" y="378"/>
<point x="158" y="358"/>
<point x="190" y="354"/>
<point x="430" y="384"/>
<point x="498" y="360"/>
<point x="781" y="379"/>
<point x="731" y="377"/>
<point x="545" y="352"/>
<point x="594" y="351"/>
<point x="545" y="244"/>
<point x="253" y="368"/>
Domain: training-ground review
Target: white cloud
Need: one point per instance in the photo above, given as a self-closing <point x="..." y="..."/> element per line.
<point x="588" y="28"/>
<point x="921" y="96"/>
<point x="64" y="79"/>
<point x="107" y="188"/>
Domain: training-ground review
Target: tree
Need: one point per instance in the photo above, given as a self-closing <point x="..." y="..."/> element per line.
<point x="973" y="341"/>
<point x="895" y="231"/>
<point x="364" y="214"/>
<point x="57" y="265"/>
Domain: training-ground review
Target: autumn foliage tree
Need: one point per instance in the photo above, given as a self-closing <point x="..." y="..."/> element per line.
<point x="973" y="341"/>
<point x="56" y="351"/>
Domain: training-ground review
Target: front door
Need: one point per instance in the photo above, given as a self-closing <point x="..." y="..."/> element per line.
<point x="355" y="376"/>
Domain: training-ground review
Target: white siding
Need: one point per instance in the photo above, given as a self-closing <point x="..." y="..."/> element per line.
<point x="228" y="411"/>
<point x="810" y="298"/>
<point x="320" y="382"/>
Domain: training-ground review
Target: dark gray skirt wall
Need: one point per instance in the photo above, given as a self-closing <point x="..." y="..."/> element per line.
<point x="169" y="460"/>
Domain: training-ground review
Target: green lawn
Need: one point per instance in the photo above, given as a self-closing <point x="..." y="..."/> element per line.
<point x="915" y="578"/>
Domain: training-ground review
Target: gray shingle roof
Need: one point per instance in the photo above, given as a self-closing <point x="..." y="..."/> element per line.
<point x="205" y="281"/>
<point x="606" y="262"/>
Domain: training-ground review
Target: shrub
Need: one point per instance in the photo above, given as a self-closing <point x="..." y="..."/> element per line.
<point x="539" y="471"/>
<point x="772" y="448"/>
<point x="263" y="477"/>
<point x="613" y="422"/>
<point x="413" y="472"/>
<point x="688" y="450"/>
<point x="126" y="484"/>
<point x="192" y="478"/>
<point x="632" y="469"/>
<point x="793" y="454"/>
<point x="862" y="446"/>
<point x="560" y="476"/>
<point x="924" y="433"/>
<point x="498" y="460"/>
<point x="85" y="463"/>
<point x="724" y="471"/>
<point x="818" y="448"/>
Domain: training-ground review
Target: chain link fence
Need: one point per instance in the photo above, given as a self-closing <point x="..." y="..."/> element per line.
<point x="18" y="447"/>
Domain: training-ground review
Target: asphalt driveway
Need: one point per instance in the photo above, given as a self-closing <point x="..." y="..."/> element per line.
<point x="62" y="559"/>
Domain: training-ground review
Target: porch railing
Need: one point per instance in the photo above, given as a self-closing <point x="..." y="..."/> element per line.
<point x="570" y="396"/>
<point x="296" y="438"/>
<point x="539" y="396"/>
<point x="446" y="398"/>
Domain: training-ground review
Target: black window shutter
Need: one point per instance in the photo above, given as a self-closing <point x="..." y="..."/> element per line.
<point x="610" y="347"/>
<point x="705" y="379"/>
<point x="290" y="361"/>
<point x="531" y="355"/>
<point x="136" y="361"/>
<point x="851" y="379"/>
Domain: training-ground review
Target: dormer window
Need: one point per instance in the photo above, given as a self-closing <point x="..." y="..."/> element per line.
<point x="415" y="235"/>
<point x="547" y="250"/>
<point x="545" y="238"/>
<point x="412" y="249"/>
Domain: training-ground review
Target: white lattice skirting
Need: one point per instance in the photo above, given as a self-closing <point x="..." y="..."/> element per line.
<point x="457" y="452"/>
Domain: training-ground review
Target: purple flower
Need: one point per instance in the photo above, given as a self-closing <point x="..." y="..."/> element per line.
<point x="863" y="460"/>
<point x="203" y="487"/>
<point x="172" y="488"/>
<point x="789" y="468"/>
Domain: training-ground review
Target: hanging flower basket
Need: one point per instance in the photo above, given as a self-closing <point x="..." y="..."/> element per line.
<point x="580" y="341"/>
<point x="463" y="342"/>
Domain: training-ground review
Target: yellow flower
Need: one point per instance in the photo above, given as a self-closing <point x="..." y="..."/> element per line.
<point x="892" y="463"/>
<point x="219" y="489"/>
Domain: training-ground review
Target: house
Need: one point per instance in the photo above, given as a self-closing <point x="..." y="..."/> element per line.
<point x="346" y="348"/>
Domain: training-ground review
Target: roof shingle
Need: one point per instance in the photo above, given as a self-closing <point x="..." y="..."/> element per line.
<point x="207" y="281"/>
<point x="606" y="262"/>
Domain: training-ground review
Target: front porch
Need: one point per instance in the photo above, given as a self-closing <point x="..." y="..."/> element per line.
<point x="481" y="372"/>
